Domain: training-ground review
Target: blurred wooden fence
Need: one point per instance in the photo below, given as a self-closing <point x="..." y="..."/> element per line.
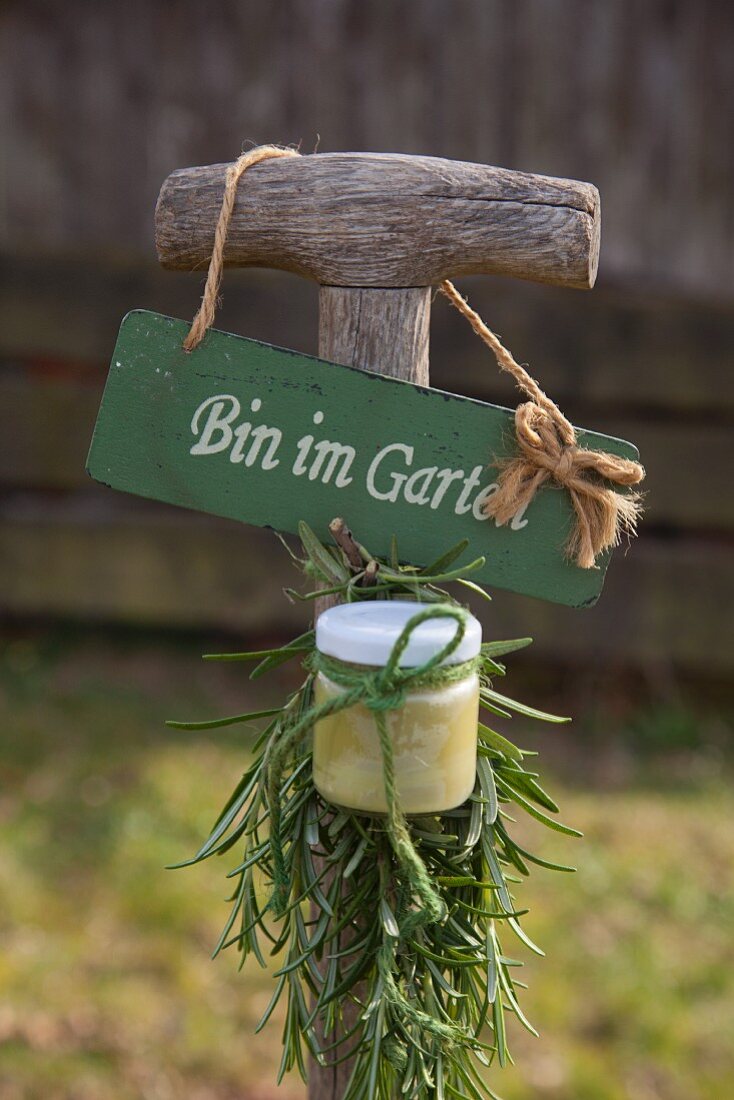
<point x="102" y="101"/>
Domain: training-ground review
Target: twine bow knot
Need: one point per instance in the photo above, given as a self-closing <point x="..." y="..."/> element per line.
<point x="543" y="441"/>
<point x="548" y="449"/>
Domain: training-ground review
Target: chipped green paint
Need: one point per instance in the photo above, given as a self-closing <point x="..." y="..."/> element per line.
<point x="266" y="436"/>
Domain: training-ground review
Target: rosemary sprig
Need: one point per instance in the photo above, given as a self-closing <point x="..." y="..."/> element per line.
<point x="419" y="1007"/>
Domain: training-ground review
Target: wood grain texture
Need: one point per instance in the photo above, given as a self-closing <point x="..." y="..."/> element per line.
<point x="385" y="220"/>
<point x="378" y="330"/>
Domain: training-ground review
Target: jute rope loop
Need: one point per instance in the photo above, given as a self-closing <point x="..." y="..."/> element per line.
<point x="546" y="439"/>
<point x="205" y="317"/>
<point x="549" y="451"/>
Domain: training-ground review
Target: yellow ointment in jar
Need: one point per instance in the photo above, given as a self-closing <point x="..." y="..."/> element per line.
<point x="433" y="733"/>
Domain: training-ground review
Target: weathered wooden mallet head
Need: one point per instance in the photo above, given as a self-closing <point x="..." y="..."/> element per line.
<point x="385" y="220"/>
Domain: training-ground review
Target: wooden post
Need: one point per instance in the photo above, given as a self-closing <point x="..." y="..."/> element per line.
<point x="377" y="231"/>
<point x="385" y="331"/>
<point x="379" y="330"/>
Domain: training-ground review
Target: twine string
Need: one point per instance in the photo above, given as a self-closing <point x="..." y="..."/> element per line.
<point x="204" y="318"/>
<point x="381" y="691"/>
<point x="548" y="450"/>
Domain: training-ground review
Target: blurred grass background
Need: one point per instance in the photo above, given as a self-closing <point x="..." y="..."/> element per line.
<point x="107" y="991"/>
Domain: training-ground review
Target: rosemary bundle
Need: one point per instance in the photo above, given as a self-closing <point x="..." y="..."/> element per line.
<point x="405" y="976"/>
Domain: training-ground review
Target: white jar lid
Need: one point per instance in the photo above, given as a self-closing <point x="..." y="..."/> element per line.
<point x="365" y="633"/>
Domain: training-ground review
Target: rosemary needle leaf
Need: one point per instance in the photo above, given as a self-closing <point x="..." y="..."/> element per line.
<point x="388" y="919"/>
<point x="522" y="708"/>
<point x="545" y="862"/>
<point x="486" y="701"/>
<point x="526" y="784"/>
<point x="332" y="571"/>
<point x="394" y="557"/>
<point x="501" y="649"/>
<point x="497" y="741"/>
<point x="488" y="789"/>
<point x="356" y="859"/>
<point x="522" y="935"/>
<point x="534" y="811"/>
<point x="498" y="1019"/>
<point x="473" y="587"/>
<point x="218" y="723"/>
<point x="447" y="559"/>
<point x="301" y="644"/>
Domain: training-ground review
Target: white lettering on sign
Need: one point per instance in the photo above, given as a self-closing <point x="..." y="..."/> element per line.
<point x="218" y="433"/>
<point x="397" y="479"/>
<point x="325" y="451"/>
<point x="463" y="504"/>
<point x="390" y="475"/>
<point x="332" y="454"/>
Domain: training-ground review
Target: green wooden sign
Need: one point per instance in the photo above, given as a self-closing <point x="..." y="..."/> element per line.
<point x="267" y="436"/>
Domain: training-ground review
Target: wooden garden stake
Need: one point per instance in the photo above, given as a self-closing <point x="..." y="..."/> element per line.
<point x="379" y="232"/>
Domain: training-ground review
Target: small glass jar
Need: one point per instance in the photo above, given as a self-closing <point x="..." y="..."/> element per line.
<point x="434" y="733"/>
